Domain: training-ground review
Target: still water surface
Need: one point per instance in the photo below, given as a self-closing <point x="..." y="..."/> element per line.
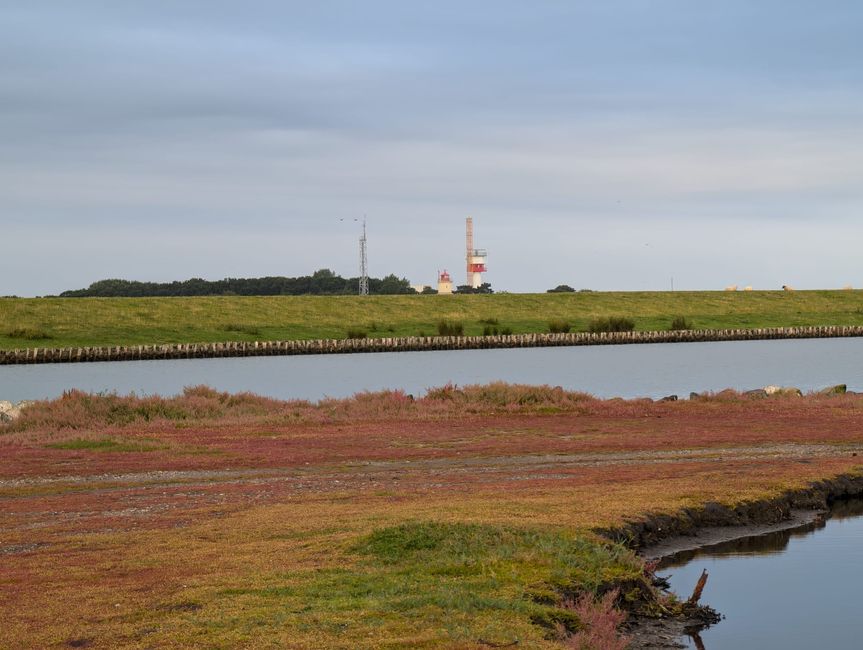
<point x="790" y="590"/>
<point x="606" y="371"/>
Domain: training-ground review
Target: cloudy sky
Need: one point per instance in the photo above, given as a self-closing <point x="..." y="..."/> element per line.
<point x="610" y="144"/>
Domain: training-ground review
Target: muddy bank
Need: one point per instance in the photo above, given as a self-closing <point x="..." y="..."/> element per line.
<point x="791" y="508"/>
<point x="712" y="535"/>
<point x="659" y="536"/>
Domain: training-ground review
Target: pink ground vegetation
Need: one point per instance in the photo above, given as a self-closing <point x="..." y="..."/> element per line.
<point x="601" y="621"/>
<point x="132" y="505"/>
<point x="77" y="410"/>
<point x="206" y="429"/>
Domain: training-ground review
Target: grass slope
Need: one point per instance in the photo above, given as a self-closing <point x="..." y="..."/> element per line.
<point x="62" y="322"/>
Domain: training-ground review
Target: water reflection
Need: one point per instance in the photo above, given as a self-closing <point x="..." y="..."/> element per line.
<point x="788" y="589"/>
<point x="605" y="371"/>
<point x="846" y="509"/>
<point x="767" y="544"/>
<point x="772" y="543"/>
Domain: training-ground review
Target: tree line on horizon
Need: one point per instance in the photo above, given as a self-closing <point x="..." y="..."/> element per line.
<point x="321" y="283"/>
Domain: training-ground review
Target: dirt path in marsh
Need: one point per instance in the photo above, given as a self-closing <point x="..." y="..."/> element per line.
<point x="435" y="467"/>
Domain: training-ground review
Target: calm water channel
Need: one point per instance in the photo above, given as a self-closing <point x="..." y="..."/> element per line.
<point x="790" y="590"/>
<point x="606" y="371"/>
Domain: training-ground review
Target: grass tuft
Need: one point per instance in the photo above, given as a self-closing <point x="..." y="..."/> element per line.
<point x="680" y="323"/>
<point x="28" y="334"/>
<point x="611" y="324"/>
<point x="251" y="330"/>
<point x="446" y="328"/>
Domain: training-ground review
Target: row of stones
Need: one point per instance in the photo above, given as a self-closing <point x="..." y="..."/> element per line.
<point x="411" y="343"/>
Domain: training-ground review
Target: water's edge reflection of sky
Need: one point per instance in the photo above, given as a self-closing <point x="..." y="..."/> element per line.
<point x="792" y="589"/>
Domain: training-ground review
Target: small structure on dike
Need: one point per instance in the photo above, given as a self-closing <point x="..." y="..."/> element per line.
<point x="444" y="283"/>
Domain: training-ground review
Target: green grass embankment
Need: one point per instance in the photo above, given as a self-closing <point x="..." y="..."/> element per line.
<point x="70" y="322"/>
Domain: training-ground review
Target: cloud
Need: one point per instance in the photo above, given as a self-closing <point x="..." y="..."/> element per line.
<point x="570" y="130"/>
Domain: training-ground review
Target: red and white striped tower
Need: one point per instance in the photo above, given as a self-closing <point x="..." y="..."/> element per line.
<point x="475" y="259"/>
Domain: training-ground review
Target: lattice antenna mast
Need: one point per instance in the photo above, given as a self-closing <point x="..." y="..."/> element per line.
<point x="469" y="223"/>
<point x="364" y="263"/>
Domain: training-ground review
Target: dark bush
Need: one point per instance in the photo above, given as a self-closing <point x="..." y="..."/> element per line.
<point x="445" y="328"/>
<point x="28" y="334"/>
<point x="680" y="323"/>
<point x="356" y="333"/>
<point x="505" y="331"/>
<point x="242" y="329"/>
<point x="562" y="288"/>
<point x="611" y="324"/>
<point x="485" y="287"/>
<point x="558" y="326"/>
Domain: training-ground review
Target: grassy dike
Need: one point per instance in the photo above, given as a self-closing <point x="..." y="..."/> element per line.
<point x="71" y="322"/>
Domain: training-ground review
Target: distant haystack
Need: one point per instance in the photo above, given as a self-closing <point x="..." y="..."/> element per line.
<point x="848" y="287"/>
<point x="732" y="287"/>
<point x="748" y="287"/>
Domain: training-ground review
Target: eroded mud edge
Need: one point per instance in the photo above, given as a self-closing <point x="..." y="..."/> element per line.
<point x="656" y="536"/>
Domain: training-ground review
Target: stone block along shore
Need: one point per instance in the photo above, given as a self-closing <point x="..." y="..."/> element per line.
<point x="407" y="344"/>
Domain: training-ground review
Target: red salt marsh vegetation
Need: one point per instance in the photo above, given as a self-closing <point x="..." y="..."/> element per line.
<point x="460" y="519"/>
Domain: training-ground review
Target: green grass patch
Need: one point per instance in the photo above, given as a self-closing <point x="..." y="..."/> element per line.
<point x="104" y="444"/>
<point x="474" y="549"/>
<point x="72" y="322"/>
<point x="439" y="584"/>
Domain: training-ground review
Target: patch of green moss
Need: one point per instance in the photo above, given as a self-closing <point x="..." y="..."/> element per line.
<point x="104" y="444"/>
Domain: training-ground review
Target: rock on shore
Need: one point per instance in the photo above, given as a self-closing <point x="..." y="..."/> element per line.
<point x="783" y="390"/>
<point x="10" y="411"/>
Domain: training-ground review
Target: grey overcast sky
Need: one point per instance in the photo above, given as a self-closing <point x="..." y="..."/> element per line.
<point x="611" y="144"/>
